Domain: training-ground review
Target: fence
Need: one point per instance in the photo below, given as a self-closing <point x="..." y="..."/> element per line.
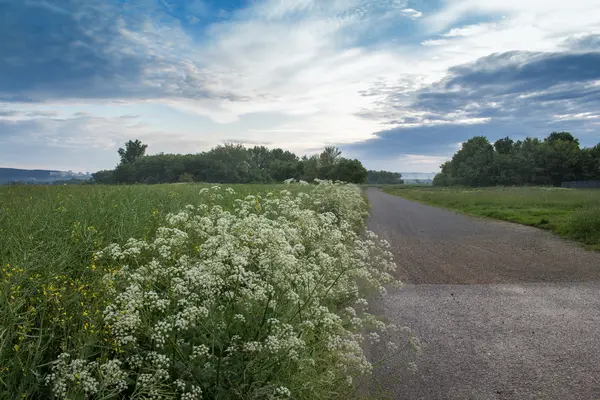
<point x="581" y="185"/>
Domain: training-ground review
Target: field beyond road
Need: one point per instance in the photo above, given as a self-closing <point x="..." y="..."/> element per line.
<point x="572" y="213"/>
<point x="503" y="311"/>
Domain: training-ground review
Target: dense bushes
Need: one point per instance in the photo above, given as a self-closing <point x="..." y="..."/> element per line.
<point x="556" y="159"/>
<point x="234" y="164"/>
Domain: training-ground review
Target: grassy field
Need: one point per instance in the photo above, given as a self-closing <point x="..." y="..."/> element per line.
<point x="571" y="213"/>
<point x="185" y="291"/>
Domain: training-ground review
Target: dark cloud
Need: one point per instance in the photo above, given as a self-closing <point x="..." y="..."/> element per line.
<point x="53" y="49"/>
<point x="525" y="71"/>
<point x="41" y="114"/>
<point x="514" y="81"/>
<point x="588" y="42"/>
<point x="517" y="94"/>
<point x="442" y="140"/>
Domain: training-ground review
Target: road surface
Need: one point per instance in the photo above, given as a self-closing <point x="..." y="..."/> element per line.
<point x="503" y="311"/>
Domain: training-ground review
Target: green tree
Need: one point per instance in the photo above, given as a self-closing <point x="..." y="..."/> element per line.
<point x="106" y="177"/>
<point x="562" y="136"/>
<point x="473" y="162"/>
<point x="132" y="151"/>
<point x="384" y="177"/>
<point x="351" y="171"/>
<point x="562" y="159"/>
<point x="504" y="145"/>
<point x="329" y="156"/>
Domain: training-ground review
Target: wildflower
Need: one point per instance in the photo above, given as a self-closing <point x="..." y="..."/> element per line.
<point x="274" y="278"/>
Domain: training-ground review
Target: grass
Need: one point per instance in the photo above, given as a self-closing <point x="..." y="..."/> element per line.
<point x="64" y="225"/>
<point x="571" y="213"/>
<point x="56" y="290"/>
<point x="49" y="234"/>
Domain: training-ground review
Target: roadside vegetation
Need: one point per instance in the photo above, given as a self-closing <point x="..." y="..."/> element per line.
<point x="187" y="291"/>
<point x="571" y="213"/>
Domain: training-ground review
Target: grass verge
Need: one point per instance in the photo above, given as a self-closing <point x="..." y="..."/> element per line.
<point x="572" y="213"/>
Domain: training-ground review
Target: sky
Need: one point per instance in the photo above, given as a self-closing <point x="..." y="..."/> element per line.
<point x="399" y="84"/>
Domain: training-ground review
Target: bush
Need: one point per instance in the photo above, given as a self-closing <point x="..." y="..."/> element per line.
<point x="258" y="297"/>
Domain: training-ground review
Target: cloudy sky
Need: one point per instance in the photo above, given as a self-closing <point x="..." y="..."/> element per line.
<point x="397" y="83"/>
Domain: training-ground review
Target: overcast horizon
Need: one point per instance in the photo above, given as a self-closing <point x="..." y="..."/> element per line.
<point x="399" y="84"/>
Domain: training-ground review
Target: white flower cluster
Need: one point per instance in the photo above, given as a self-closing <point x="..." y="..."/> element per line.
<point x="257" y="299"/>
<point x="86" y="378"/>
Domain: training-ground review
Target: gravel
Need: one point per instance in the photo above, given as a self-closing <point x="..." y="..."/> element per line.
<point x="503" y="311"/>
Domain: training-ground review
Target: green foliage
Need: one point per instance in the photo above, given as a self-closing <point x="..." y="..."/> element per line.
<point x="572" y="213"/>
<point x="301" y="246"/>
<point x="556" y="159"/>
<point x="384" y="178"/>
<point x="233" y="163"/>
<point x="133" y="150"/>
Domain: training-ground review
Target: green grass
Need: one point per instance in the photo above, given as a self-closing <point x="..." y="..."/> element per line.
<point x="63" y="225"/>
<point x="571" y="213"/>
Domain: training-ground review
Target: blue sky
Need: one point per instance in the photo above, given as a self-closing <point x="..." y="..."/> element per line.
<point x="397" y="83"/>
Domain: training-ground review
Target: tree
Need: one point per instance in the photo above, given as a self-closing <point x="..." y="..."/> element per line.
<point x="504" y="146"/>
<point x="133" y="150"/>
<point x="562" y="136"/>
<point x="384" y="178"/>
<point x="561" y="158"/>
<point x="329" y="156"/>
<point x="556" y="159"/>
<point x="105" y="177"/>
<point x="351" y="171"/>
<point x="310" y="168"/>
<point x="473" y="162"/>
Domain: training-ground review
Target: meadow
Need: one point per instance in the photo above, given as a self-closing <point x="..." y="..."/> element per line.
<point x="188" y="291"/>
<point x="571" y="213"/>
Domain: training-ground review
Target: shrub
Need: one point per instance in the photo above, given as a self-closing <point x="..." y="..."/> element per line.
<point x="263" y="301"/>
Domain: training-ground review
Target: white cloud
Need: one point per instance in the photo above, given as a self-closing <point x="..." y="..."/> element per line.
<point x="412" y="13"/>
<point x="471" y="30"/>
<point x="306" y="67"/>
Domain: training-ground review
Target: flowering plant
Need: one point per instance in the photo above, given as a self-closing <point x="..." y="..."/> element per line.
<point x="262" y="301"/>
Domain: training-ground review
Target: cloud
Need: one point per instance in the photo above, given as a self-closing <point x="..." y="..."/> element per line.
<point x="96" y="50"/>
<point x="9" y="113"/>
<point x="42" y="114"/>
<point x="412" y="13"/>
<point x="515" y="94"/>
<point x="403" y="79"/>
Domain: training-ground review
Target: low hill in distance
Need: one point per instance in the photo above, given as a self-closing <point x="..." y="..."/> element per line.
<point x="8" y="175"/>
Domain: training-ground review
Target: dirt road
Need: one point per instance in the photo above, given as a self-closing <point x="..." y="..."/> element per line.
<point x="503" y="311"/>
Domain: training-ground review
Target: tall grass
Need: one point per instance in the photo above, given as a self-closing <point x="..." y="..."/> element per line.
<point x="164" y="292"/>
<point x="584" y="226"/>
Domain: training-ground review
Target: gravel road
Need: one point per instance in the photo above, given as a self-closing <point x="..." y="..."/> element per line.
<point x="503" y="311"/>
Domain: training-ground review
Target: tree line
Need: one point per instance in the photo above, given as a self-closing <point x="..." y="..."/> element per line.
<point x="230" y="163"/>
<point x="384" y="178"/>
<point x="557" y="158"/>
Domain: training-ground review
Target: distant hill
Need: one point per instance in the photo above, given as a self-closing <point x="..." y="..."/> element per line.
<point x="8" y="175"/>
